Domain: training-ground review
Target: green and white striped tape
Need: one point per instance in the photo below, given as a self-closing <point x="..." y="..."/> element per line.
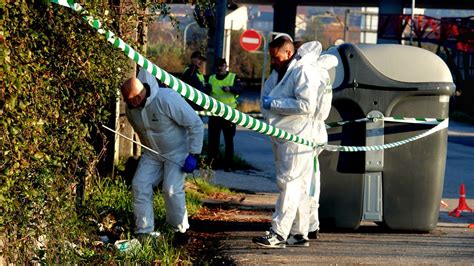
<point x="414" y="120"/>
<point x="190" y="93"/>
<point x="207" y="113"/>
<point x="398" y="119"/>
<point x="218" y="108"/>
<point x="440" y="124"/>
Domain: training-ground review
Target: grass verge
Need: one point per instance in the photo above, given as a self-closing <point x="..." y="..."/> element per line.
<point x="107" y="216"/>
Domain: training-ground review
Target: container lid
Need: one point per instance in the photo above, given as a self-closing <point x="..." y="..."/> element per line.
<point x="407" y="63"/>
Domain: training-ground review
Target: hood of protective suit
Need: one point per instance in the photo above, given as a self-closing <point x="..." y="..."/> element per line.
<point x="324" y="63"/>
<point x="310" y="53"/>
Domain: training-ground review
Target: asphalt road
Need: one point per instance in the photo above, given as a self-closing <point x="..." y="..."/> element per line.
<point x="460" y="161"/>
<point x="368" y="245"/>
<point x="450" y="242"/>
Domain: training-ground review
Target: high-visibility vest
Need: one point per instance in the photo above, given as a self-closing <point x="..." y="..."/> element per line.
<point x="220" y="95"/>
<point x="199" y="75"/>
<point x="201" y="78"/>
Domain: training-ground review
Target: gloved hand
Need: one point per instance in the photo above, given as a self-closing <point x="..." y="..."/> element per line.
<point x="190" y="164"/>
<point x="267" y="102"/>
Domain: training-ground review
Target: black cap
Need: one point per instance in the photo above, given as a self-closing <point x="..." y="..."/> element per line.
<point x="220" y="62"/>
<point x="197" y="54"/>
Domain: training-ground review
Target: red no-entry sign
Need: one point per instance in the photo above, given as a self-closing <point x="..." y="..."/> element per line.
<point x="250" y="40"/>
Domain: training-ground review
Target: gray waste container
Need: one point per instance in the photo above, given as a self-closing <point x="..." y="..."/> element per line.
<point x="399" y="187"/>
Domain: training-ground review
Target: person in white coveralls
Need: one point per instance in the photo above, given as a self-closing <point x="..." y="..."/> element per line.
<point x="167" y="124"/>
<point x="324" y="63"/>
<point x="289" y="102"/>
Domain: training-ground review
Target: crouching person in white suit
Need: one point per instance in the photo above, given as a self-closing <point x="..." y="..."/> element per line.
<point x="167" y="124"/>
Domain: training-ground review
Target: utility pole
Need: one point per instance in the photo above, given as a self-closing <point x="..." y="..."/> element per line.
<point x="346" y="24"/>
<point x="221" y="8"/>
<point x="216" y="36"/>
<point x="412" y="21"/>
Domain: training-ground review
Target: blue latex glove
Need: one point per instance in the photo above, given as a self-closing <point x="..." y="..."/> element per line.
<point x="190" y="164"/>
<point x="267" y="102"/>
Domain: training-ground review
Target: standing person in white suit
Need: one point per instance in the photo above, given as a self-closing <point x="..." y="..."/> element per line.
<point x="322" y="66"/>
<point x="167" y="124"/>
<point x="289" y="103"/>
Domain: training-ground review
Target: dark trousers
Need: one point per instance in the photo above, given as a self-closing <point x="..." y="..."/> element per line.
<point x="215" y="126"/>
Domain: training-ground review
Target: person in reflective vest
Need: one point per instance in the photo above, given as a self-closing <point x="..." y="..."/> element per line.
<point x="193" y="77"/>
<point x="225" y="88"/>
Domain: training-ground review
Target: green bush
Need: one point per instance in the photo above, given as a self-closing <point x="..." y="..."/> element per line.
<point x="59" y="83"/>
<point x="167" y="56"/>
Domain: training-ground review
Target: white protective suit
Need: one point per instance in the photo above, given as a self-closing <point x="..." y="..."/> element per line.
<point x="168" y="125"/>
<point x="293" y="108"/>
<point x="324" y="63"/>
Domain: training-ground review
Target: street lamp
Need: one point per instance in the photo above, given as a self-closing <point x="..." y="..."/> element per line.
<point x="184" y="34"/>
<point x="170" y="34"/>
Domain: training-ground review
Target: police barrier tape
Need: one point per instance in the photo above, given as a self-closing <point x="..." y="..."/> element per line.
<point x="399" y="119"/>
<point x="218" y="108"/>
<point x="441" y="124"/>
<point x="190" y="93"/>
<point x="207" y="113"/>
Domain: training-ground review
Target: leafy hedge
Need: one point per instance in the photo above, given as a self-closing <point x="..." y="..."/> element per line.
<point x="59" y="84"/>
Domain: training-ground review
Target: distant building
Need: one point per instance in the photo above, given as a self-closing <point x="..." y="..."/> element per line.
<point x="183" y="13"/>
<point x="260" y="18"/>
<point x="301" y="23"/>
<point x="369" y="24"/>
<point x="235" y="20"/>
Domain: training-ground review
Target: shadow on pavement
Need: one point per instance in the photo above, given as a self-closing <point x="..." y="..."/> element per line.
<point x="227" y="226"/>
<point x="464" y="140"/>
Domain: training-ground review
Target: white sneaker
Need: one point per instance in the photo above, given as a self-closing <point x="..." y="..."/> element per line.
<point x="146" y="237"/>
<point x="155" y="234"/>
<point x="297" y="241"/>
<point x="270" y="240"/>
